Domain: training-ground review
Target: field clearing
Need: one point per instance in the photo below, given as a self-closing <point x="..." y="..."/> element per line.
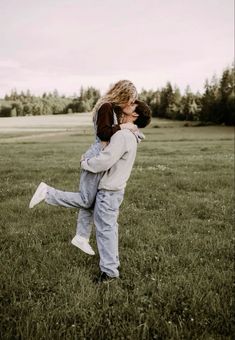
<point x="27" y="128"/>
<point x="53" y="122"/>
<point x="176" y="237"/>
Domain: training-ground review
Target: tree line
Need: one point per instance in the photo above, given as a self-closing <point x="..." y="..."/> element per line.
<point x="215" y="105"/>
<point x="25" y="103"/>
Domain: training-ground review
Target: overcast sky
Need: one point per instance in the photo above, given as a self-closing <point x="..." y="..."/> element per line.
<point x="66" y="44"/>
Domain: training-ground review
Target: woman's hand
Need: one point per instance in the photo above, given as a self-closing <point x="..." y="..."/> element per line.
<point x="129" y="126"/>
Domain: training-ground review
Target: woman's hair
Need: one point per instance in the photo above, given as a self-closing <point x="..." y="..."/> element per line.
<point x="120" y="93"/>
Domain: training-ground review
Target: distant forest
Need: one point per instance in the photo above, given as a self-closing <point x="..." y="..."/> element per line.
<point x="215" y="105"/>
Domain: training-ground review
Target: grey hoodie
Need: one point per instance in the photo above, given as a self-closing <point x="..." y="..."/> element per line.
<point x="116" y="160"/>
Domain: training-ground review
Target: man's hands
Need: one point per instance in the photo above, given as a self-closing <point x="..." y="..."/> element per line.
<point x="82" y="158"/>
<point x="129" y="126"/>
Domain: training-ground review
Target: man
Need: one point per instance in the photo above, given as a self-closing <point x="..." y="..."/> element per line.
<point x="116" y="160"/>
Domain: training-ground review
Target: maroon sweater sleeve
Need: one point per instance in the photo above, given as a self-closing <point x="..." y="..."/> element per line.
<point x="105" y="127"/>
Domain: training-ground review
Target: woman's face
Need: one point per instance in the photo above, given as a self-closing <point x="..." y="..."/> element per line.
<point x="129" y="107"/>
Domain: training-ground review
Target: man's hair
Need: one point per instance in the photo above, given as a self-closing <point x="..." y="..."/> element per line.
<point x="144" y="112"/>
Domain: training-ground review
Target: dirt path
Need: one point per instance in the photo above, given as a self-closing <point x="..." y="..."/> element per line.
<point x="38" y="136"/>
<point x="36" y="127"/>
<point x="37" y="123"/>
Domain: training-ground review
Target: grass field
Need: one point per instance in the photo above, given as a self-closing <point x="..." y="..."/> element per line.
<point x="176" y="240"/>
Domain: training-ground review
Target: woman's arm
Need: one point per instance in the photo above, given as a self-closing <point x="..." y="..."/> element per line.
<point x="105" y="127"/>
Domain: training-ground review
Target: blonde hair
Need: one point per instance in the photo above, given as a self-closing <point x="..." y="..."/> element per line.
<point x="119" y="93"/>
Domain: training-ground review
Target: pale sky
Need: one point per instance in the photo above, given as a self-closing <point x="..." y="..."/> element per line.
<point x="66" y="44"/>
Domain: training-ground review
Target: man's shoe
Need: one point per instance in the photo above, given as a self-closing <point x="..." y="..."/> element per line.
<point x="39" y="195"/>
<point x="83" y="244"/>
<point x="104" y="278"/>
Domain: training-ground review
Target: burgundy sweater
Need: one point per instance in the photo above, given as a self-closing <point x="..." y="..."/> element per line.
<point x="105" y="122"/>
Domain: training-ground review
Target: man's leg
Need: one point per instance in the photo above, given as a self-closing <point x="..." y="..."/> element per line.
<point x="117" y="248"/>
<point x="105" y="218"/>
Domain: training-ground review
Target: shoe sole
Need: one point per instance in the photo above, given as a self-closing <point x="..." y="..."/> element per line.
<point x="80" y="246"/>
<point x="37" y="193"/>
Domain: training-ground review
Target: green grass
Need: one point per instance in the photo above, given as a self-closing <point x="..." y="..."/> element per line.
<point x="176" y="242"/>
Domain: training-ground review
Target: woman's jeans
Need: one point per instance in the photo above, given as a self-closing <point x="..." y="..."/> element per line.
<point x="84" y="199"/>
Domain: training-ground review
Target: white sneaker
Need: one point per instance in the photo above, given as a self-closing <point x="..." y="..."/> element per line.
<point x="39" y="195"/>
<point x="83" y="244"/>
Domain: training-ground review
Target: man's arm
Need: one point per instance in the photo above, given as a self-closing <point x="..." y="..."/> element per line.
<point x="108" y="157"/>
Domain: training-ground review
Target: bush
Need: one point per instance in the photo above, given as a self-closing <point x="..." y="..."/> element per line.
<point x="5" y="110"/>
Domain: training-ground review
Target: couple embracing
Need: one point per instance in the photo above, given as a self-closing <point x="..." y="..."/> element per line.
<point x="106" y="167"/>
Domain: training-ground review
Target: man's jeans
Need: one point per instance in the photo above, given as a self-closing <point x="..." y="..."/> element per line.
<point x="105" y="217"/>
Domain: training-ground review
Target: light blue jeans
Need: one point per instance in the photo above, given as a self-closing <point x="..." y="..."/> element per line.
<point x="88" y="186"/>
<point x="105" y="218"/>
<point x="84" y="199"/>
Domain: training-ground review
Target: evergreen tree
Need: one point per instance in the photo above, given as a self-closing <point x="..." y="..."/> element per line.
<point x="166" y="99"/>
<point x="27" y="109"/>
<point x="226" y="102"/>
<point x="151" y="98"/>
<point x="189" y="107"/>
<point x="208" y="101"/>
<point x="18" y="107"/>
<point x="175" y="105"/>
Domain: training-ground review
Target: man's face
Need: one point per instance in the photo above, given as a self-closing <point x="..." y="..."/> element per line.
<point x="130" y="118"/>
